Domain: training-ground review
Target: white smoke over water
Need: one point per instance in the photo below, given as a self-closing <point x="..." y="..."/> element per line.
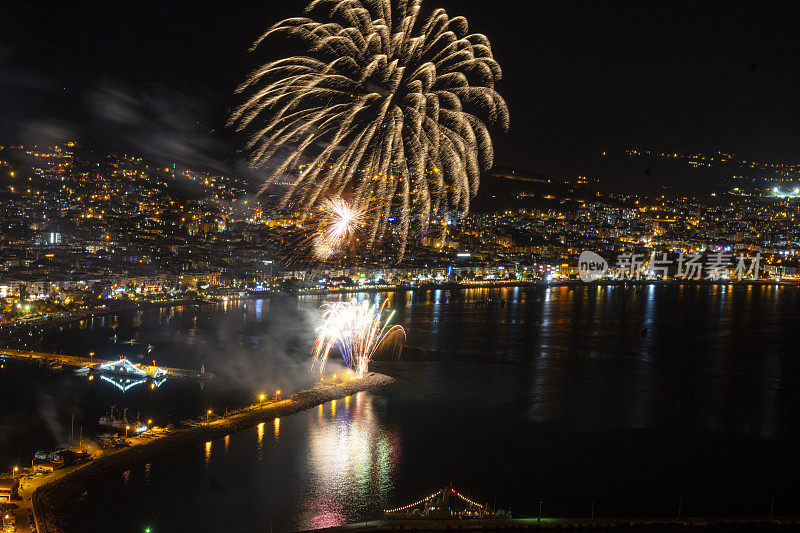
<point x="48" y="414"/>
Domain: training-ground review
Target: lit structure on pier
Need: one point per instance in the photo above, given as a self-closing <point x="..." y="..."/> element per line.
<point x="125" y="375"/>
<point x="123" y="367"/>
<point x="445" y="503"/>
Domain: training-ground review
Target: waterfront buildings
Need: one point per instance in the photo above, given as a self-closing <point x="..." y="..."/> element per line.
<point x="79" y="227"/>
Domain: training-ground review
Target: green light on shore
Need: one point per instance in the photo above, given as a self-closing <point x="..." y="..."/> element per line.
<point x="147" y="530"/>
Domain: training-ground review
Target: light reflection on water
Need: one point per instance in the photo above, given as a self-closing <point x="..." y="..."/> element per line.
<point x="351" y="459"/>
<point x="260" y="436"/>
<point x="315" y="469"/>
<point x="559" y="380"/>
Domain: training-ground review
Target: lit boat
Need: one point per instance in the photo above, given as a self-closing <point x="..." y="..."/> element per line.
<point x="120" y="425"/>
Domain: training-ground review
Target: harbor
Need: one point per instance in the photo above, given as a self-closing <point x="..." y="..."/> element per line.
<point x="50" y="496"/>
<point x="327" y="455"/>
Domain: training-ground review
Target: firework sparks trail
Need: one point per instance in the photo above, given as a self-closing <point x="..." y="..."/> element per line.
<point x="383" y="103"/>
<point x="339" y="223"/>
<point x="357" y="330"/>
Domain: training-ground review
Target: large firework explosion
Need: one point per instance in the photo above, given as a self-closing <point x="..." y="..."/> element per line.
<point x="356" y="330"/>
<point x="382" y="104"/>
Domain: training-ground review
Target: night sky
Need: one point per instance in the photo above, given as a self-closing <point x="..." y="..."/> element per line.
<point x="579" y="77"/>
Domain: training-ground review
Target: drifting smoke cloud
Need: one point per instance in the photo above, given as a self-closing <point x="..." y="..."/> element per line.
<point x="46" y="131"/>
<point x="263" y="346"/>
<point x="30" y="103"/>
<point x="164" y="125"/>
<point x="48" y="414"/>
<point x="161" y="124"/>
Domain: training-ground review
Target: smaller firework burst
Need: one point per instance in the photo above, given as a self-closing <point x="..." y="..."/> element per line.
<point x="340" y="221"/>
<point x="357" y="330"/>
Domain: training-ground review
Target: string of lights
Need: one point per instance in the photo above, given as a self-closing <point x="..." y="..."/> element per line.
<point x="468" y="500"/>
<point x="410" y="505"/>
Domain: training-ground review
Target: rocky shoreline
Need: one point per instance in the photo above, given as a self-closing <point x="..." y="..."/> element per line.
<point x="51" y="501"/>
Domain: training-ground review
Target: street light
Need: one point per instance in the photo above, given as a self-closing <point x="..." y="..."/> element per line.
<point x="126" y="431"/>
<point x="277" y="393"/>
<point x="208" y="414"/>
<point x="261" y="398"/>
<point x="16" y="469"/>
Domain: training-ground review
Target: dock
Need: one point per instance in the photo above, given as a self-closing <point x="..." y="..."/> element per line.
<point x="96" y="364"/>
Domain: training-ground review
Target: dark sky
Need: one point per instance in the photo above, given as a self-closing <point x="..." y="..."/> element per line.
<point x="579" y="77"/>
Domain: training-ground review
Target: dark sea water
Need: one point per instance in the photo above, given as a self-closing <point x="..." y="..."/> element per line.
<point x="631" y="400"/>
